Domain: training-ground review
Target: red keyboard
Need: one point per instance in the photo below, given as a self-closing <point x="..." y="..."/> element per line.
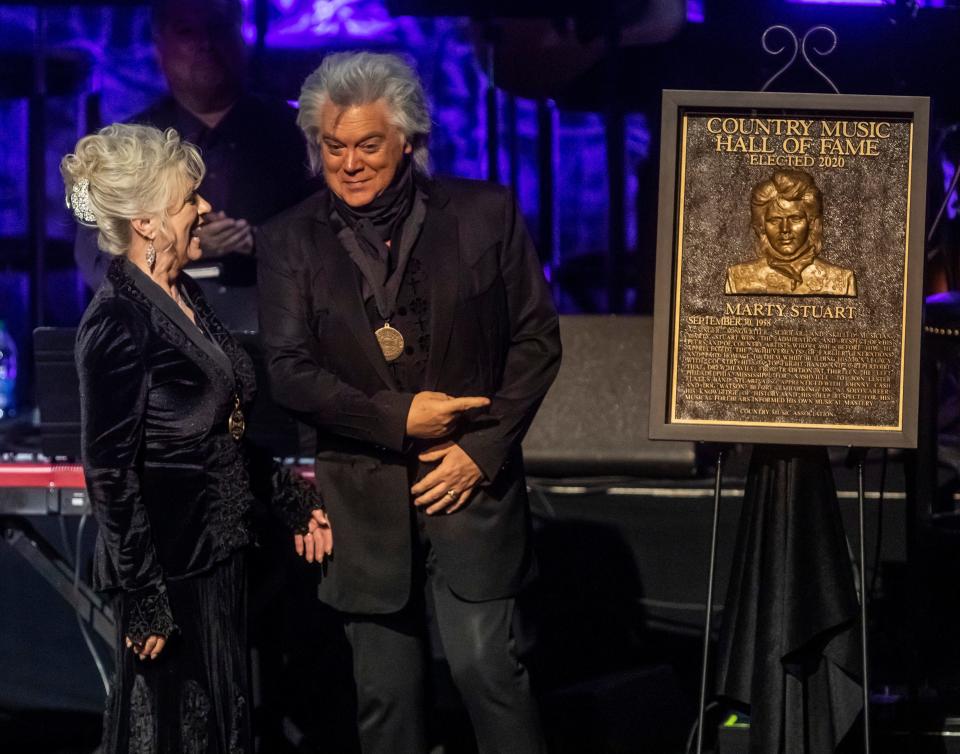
<point x="42" y="489"/>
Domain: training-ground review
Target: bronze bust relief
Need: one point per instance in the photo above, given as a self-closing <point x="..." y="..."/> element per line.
<point x="786" y="216"/>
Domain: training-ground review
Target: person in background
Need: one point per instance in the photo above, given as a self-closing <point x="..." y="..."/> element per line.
<point x="253" y="150"/>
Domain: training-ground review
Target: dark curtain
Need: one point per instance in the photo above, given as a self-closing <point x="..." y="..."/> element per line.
<point x="790" y="642"/>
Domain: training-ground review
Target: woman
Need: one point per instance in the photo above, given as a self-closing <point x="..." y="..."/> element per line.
<point x="163" y="387"/>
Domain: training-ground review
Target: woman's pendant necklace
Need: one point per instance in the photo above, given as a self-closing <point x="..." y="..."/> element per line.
<point x="391" y="342"/>
<point x="236" y="424"/>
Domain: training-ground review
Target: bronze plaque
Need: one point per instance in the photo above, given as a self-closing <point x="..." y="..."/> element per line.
<point x="789" y="268"/>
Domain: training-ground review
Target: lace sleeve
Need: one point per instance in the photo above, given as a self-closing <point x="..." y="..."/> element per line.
<point x="149" y="614"/>
<point x="288" y="496"/>
<point x="293" y="499"/>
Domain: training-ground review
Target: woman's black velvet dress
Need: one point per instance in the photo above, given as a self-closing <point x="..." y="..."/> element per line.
<point x="171" y="492"/>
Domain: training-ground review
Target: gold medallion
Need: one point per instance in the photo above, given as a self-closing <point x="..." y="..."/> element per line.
<point x="391" y="342"/>
<point x="236" y="424"/>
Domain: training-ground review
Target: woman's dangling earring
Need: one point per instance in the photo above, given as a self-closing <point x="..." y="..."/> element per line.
<point x="151" y="255"/>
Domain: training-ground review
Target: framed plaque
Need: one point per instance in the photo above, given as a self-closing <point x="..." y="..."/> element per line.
<point x="789" y="268"/>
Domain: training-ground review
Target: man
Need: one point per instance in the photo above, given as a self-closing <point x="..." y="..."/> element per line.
<point x="256" y="162"/>
<point x="786" y="212"/>
<point x="408" y="320"/>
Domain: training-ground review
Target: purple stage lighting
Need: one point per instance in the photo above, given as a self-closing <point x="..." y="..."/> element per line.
<point x="870" y="3"/>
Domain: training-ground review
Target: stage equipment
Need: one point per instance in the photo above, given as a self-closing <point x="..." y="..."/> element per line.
<point x="593" y="421"/>
<point x="44" y="558"/>
<point x="37" y="488"/>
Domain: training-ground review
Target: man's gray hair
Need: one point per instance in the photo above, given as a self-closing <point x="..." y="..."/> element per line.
<point x="359" y="78"/>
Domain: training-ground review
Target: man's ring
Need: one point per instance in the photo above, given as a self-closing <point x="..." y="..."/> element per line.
<point x="452" y="494"/>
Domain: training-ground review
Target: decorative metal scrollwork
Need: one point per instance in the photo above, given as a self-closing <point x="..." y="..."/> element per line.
<point x="803" y="47"/>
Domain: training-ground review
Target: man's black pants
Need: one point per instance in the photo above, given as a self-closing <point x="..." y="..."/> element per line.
<point x="389" y="666"/>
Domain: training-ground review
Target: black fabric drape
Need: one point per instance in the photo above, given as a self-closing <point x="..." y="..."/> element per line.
<point x="790" y="643"/>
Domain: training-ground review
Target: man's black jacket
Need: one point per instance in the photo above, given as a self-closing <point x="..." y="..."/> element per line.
<point x="494" y="332"/>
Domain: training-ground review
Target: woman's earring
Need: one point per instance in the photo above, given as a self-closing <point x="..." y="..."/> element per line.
<point x="151" y="255"/>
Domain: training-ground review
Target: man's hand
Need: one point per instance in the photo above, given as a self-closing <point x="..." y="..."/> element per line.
<point x="152" y="647"/>
<point x="449" y="486"/>
<point x="221" y="235"/>
<point x="317" y="543"/>
<point x="435" y="415"/>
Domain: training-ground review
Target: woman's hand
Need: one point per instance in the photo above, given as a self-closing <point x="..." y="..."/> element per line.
<point x="317" y="543"/>
<point x="152" y="647"/>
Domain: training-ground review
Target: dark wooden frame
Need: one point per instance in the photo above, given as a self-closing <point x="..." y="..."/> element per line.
<point x="675" y="103"/>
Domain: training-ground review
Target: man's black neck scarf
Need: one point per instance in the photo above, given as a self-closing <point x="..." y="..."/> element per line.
<point x="382" y="219"/>
<point x="370" y="227"/>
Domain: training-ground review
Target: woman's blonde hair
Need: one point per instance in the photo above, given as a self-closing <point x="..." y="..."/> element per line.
<point x="126" y="171"/>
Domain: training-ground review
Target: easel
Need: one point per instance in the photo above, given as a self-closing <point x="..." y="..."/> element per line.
<point x="856" y="455"/>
